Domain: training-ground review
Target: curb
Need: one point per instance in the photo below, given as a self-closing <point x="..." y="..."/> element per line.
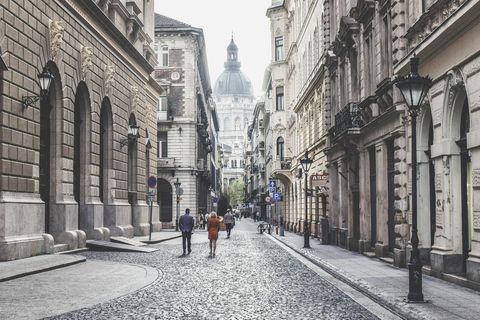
<point x="400" y="308"/>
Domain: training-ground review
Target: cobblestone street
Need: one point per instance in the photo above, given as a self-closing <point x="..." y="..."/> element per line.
<point x="251" y="277"/>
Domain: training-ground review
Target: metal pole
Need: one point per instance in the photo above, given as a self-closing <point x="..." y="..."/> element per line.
<point x="415" y="265"/>
<point x="178" y="208"/>
<point x="306" y="234"/>
<point x="151" y="225"/>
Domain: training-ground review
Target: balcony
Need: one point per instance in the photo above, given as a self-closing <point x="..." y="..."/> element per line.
<point x="349" y="117"/>
<point x="166" y="163"/>
<point x="285" y="164"/>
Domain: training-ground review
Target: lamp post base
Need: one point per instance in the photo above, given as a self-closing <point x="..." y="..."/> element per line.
<point x="306" y="243"/>
<point x="415" y="277"/>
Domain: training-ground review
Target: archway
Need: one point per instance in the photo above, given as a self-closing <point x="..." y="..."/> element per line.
<point x="466" y="185"/>
<point x="47" y="172"/>
<point x="81" y="150"/>
<point x="165" y="200"/>
<point x="106" y="149"/>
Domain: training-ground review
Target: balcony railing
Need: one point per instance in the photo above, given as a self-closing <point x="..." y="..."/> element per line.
<point x="348" y="117"/>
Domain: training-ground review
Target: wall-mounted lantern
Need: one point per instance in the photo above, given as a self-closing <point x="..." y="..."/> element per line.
<point x="132" y="135"/>
<point x="45" y="79"/>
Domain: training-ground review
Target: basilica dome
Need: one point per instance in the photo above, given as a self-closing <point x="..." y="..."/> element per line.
<point x="233" y="81"/>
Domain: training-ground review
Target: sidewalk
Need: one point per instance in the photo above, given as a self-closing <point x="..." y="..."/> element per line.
<point x="387" y="284"/>
<point x="23" y="267"/>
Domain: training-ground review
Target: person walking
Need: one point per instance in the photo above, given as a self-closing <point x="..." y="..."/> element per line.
<point x="201" y="225"/>
<point x="228" y="222"/>
<point x="205" y="221"/>
<point x="186" y="224"/>
<point x="213" y="226"/>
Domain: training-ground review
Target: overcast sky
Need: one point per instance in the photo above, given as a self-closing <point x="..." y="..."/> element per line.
<point x="218" y="19"/>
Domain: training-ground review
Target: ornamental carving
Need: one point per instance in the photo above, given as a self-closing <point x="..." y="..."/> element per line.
<point x="476" y="220"/>
<point x="431" y="20"/>
<point x="439" y="214"/>
<point x="455" y="84"/>
<point x="472" y="68"/>
<point x="56" y="38"/>
<point x="86" y="53"/>
<point x="103" y="4"/>
<point x="476" y="178"/>
<point x="446" y="165"/>
<point x="134" y="99"/>
<point x="109" y="79"/>
<point x="438" y="182"/>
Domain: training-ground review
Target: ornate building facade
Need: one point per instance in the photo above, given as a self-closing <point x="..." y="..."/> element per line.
<point x="187" y="123"/>
<point x="70" y="170"/>
<point x="235" y="101"/>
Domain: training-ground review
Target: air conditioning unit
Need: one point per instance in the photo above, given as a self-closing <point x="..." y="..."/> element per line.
<point x="201" y="164"/>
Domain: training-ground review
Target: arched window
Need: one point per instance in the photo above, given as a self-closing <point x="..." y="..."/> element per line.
<point x="238" y="124"/>
<point x="280" y="148"/>
<point x="227" y="124"/>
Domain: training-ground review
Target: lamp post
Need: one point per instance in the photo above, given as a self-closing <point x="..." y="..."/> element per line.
<point x="177" y="191"/>
<point x="414" y="88"/>
<point x="306" y="164"/>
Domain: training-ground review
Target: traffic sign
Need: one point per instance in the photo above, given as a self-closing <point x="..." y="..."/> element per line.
<point x="272" y="201"/>
<point x="277" y="196"/>
<point x="267" y="199"/>
<point x="151" y="191"/>
<point x="215" y="200"/>
<point x="151" y="198"/>
<point x="152" y="182"/>
<point x="272" y="184"/>
<point x="272" y="190"/>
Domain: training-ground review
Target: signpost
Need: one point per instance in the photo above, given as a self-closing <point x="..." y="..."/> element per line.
<point x="277" y="196"/>
<point x="152" y="182"/>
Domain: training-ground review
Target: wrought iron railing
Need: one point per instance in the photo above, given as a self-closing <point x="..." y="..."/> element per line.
<point x="347" y="118"/>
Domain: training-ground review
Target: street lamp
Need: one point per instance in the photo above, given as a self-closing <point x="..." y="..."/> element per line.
<point x="306" y="164"/>
<point x="414" y="88"/>
<point x="132" y="134"/>
<point x="45" y="79"/>
<point x="177" y="191"/>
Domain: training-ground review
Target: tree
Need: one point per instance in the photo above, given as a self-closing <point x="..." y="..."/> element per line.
<point x="235" y="192"/>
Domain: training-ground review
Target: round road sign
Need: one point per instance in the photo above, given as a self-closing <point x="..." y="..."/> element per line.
<point x="152" y="182"/>
<point x="267" y="199"/>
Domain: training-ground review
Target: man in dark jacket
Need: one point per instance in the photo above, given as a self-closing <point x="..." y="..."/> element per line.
<point x="186" y="224"/>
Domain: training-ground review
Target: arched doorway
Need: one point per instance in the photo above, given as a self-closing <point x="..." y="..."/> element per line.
<point x="48" y="109"/>
<point x="165" y="200"/>
<point x="106" y="147"/>
<point x="132" y="172"/>
<point x="80" y="152"/>
<point x="466" y="185"/>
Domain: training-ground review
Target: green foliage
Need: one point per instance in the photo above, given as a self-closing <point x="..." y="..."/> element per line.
<point x="235" y="192"/>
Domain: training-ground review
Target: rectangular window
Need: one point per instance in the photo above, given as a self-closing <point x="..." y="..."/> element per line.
<point x="164" y="56"/>
<point x="278" y="48"/>
<point x="162" y="113"/>
<point x="280" y="99"/>
<point x="162" y="144"/>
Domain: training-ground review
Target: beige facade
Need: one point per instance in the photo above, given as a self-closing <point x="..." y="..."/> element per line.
<point x="66" y="175"/>
<point x="187" y="123"/>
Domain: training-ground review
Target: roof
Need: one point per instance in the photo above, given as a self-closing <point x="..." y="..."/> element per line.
<point x="166" y="22"/>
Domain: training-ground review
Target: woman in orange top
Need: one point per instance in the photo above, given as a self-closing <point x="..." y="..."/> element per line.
<point x="213" y="227"/>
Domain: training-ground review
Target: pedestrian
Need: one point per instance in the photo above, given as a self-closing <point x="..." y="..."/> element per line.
<point x="205" y="221"/>
<point x="255" y="216"/>
<point x="201" y="225"/>
<point x="213" y="226"/>
<point x="186" y="224"/>
<point x="258" y="216"/>
<point x="229" y="222"/>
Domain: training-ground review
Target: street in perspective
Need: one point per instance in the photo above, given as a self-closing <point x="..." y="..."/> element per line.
<point x="253" y="276"/>
<point x="253" y="159"/>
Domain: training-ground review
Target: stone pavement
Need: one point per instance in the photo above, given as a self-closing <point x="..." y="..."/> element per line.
<point x="251" y="277"/>
<point x="387" y="284"/>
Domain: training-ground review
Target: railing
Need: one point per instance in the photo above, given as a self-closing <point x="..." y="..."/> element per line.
<point x="347" y="118"/>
